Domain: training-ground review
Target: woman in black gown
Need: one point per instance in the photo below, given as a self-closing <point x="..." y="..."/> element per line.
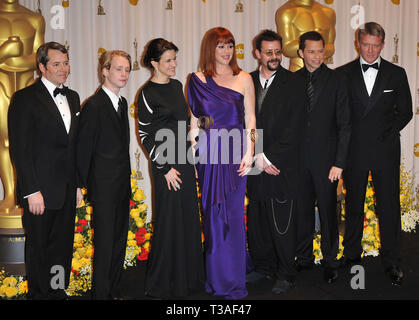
<point x="175" y="265"/>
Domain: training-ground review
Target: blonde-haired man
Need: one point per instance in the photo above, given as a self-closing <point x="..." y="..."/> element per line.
<point x="103" y="163"/>
<point x="381" y="106"/>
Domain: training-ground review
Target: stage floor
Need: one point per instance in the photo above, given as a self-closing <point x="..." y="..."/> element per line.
<point x="310" y="284"/>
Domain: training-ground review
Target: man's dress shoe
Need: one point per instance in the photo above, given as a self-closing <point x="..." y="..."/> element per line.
<point x="348" y="262"/>
<point x="282" y="286"/>
<point x="303" y="266"/>
<point x="395" y="274"/>
<point x="330" y="274"/>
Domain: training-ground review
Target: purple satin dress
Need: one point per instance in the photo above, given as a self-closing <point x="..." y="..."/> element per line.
<point x="221" y="112"/>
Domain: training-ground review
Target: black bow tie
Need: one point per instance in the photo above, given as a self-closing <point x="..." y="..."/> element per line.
<point x="365" y="66"/>
<point x="62" y="91"/>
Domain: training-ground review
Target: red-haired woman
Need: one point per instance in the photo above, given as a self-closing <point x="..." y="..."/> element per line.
<point x="222" y="101"/>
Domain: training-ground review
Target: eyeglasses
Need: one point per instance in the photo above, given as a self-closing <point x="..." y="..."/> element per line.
<point x="272" y="53"/>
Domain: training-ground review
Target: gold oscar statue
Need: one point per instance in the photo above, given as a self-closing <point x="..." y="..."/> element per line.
<point x="21" y="33"/>
<point x="297" y="17"/>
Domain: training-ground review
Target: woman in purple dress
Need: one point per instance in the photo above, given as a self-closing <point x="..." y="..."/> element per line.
<point x="223" y="123"/>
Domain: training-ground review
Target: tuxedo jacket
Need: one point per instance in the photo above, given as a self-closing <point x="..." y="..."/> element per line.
<point x="41" y="149"/>
<point x="377" y="119"/>
<point x="103" y="160"/>
<point x="326" y="129"/>
<point x="280" y="122"/>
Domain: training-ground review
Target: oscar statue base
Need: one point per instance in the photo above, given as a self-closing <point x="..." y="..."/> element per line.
<point x="12" y="242"/>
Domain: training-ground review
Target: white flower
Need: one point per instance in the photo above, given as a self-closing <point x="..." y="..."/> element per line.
<point x="409" y="220"/>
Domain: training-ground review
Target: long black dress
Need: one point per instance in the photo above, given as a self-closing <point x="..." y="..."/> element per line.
<point x="175" y="264"/>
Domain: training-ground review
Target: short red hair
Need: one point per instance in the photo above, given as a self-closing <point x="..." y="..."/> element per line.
<point x="210" y="41"/>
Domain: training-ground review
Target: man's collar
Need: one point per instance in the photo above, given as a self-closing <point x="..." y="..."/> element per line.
<point x="362" y="61"/>
<point x="271" y="76"/>
<point x="315" y="72"/>
<point x="50" y="86"/>
<point x="114" y="98"/>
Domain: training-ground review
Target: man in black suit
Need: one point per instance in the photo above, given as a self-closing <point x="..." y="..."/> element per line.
<point x="271" y="216"/>
<point x="381" y="106"/>
<point x="103" y="162"/>
<point x="43" y="121"/>
<point x="326" y="136"/>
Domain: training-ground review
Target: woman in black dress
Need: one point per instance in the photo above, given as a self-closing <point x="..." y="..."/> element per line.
<point x="175" y="265"/>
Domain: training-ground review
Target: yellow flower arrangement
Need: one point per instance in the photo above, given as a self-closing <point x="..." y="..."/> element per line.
<point x="139" y="195"/>
<point x="12" y="287"/>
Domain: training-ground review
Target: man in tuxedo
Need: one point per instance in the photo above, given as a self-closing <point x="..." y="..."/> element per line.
<point x="271" y="191"/>
<point x="43" y="121"/>
<point x="326" y="136"/>
<point x="103" y="162"/>
<point x="381" y="106"/>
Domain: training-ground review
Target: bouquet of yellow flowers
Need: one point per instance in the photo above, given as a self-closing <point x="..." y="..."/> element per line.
<point x="12" y="287"/>
<point x="139" y="231"/>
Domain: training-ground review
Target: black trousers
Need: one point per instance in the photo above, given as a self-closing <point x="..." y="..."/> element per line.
<point x="110" y="225"/>
<point x="271" y="237"/>
<point x="386" y="184"/>
<point x="316" y="186"/>
<point x="49" y="242"/>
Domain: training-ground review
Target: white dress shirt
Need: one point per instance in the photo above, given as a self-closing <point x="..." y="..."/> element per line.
<point x="370" y="75"/>
<point x="61" y="102"/>
<point x="263" y="80"/>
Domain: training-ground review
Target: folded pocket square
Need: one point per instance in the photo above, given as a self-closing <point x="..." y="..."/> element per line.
<point x="385" y="91"/>
<point x="77" y="114"/>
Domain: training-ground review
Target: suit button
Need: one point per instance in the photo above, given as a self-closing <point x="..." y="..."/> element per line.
<point x="308" y="124"/>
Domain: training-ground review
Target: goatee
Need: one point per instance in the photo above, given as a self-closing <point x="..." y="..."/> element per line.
<point x="273" y="69"/>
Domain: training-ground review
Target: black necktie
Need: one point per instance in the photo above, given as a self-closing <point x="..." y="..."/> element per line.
<point x="310" y="90"/>
<point x="365" y="66"/>
<point x="62" y="91"/>
<point x="119" y="111"/>
<point x="266" y="84"/>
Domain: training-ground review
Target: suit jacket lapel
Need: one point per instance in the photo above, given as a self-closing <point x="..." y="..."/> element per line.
<point x="125" y="120"/>
<point x="49" y="103"/>
<point x="358" y="83"/>
<point x="109" y="108"/>
<point x="277" y="83"/>
<point x="73" y="110"/>
<point x="258" y="88"/>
